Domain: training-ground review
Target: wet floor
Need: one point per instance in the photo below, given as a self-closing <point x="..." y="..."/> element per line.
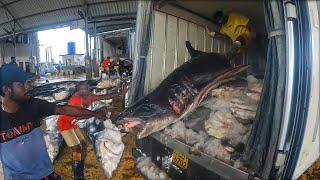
<point x="125" y="170"/>
<point x="313" y="173"/>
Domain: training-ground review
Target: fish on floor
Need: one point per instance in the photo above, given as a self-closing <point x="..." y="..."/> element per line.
<point x="107" y="141"/>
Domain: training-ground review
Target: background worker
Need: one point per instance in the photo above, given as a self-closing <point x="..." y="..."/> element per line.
<point x="13" y="61"/>
<point x="116" y="67"/>
<point x="237" y="27"/>
<point x="105" y="66"/>
<point x="71" y="133"/>
<point x="23" y="149"/>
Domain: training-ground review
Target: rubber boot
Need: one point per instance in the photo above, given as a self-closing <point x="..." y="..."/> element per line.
<point x="77" y="167"/>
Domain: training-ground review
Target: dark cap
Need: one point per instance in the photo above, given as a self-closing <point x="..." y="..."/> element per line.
<point x="10" y="73"/>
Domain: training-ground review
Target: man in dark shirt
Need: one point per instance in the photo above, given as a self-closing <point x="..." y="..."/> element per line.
<point x="22" y="147"/>
<point x="13" y="61"/>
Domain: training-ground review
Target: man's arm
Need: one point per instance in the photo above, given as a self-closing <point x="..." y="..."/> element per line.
<point x="104" y="97"/>
<point x="79" y="112"/>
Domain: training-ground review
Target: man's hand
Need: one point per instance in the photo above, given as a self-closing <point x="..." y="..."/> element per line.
<point x="101" y="113"/>
<point x="212" y="34"/>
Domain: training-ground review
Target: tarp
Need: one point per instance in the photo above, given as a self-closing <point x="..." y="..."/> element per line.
<point x="142" y="41"/>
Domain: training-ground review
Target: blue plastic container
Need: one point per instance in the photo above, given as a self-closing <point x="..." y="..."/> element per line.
<point x="71" y="47"/>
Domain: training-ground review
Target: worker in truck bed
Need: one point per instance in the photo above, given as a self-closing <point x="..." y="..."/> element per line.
<point x="23" y="150"/>
<point x="71" y="133"/>
<point x="237" y="27"/>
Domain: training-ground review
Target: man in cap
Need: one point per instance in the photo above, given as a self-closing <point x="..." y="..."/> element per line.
<point x="22" y="147"/>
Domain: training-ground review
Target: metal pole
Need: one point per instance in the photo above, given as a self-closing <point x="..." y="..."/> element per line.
<point x="87" y="57"/>
<point x="95" y="53"/>
<point x="14" y="39"/>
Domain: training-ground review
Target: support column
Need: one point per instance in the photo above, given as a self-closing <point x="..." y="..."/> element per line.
<point x="95" y="53"/>
<point x="87" y="56"/>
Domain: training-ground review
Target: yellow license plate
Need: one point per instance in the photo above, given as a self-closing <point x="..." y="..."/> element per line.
<point x="180" y="160"/>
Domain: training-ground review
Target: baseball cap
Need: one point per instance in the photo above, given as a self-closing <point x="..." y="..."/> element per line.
<point x="10" y="73"/>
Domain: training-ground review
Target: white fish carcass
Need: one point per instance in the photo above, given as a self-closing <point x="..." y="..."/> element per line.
<point x="107" y="141"/>
<point x="52" y="137"/>
<point x="105" y="84"/>
<point x="109" y="148"/>
<point x="149" y="170"/>
<point x="61" y="95"/>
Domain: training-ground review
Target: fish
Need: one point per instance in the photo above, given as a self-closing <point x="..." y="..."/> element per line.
<point x="106" y="139"/>
<point x="150" y="170"/>
<point x="178" y="94"/>
<point x="52" y="137"/>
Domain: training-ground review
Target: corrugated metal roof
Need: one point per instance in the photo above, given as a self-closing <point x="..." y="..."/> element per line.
<point x="42" y="14"/>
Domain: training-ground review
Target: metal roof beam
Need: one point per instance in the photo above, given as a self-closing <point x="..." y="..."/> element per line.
<point x="12" y="2"/>
<point x="12" y="16"/>
<point x="44" y="27"/>
<point x="112" y="25"/>
<point x="64" y="8"/>
<point x="115" y="19"/>
<point x="101" y="29"/>
<point x="49" y="26"/>
<point x="111" y="17"/>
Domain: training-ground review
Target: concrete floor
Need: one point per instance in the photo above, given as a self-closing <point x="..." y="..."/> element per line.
<point x="312" y="173"/>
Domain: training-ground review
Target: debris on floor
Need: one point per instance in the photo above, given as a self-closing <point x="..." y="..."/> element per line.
<point x="150" y="170"/>
<point x="312" y="173"/>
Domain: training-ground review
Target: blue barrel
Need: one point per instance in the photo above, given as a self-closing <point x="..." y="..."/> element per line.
<point x="71" y="47"/>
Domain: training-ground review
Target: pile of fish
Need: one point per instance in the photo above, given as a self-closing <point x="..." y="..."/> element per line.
<point x="150" y="170"/>
<point x="107" y="141"/>
<point x="52" y="137"/>
<point x="179" y="94"/>
<point x="60" y="92"/>
<point x="106" y="84"/>
<point x="105" y="136"/>
<point x="221" y="125"/>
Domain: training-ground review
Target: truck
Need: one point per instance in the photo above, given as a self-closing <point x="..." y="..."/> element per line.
<point x="285" y="139"/>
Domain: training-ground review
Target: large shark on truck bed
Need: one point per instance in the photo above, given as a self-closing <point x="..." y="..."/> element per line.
<point x="177" y="95"/>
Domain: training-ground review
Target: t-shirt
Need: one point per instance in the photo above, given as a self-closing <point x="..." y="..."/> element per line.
<point x="106" y="63"/>
<point x="23" y="150"/>
<point x="236" y="26"/>
<point x="68" y="122"/>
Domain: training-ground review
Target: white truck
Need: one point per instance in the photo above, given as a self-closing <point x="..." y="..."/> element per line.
<point x="284" y="140"/>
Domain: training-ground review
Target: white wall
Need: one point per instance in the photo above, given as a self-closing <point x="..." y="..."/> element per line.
<point x="24" y="52"/>
<point x="108" y="49"/>
<point x="76" y="60"/>
<point x="167" y="48"/>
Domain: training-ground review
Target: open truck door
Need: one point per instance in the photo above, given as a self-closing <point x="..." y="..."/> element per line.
<point x="298" y="145"/>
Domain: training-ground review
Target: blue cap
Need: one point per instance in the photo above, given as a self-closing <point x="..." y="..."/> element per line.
<point x="10" y="73"/>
